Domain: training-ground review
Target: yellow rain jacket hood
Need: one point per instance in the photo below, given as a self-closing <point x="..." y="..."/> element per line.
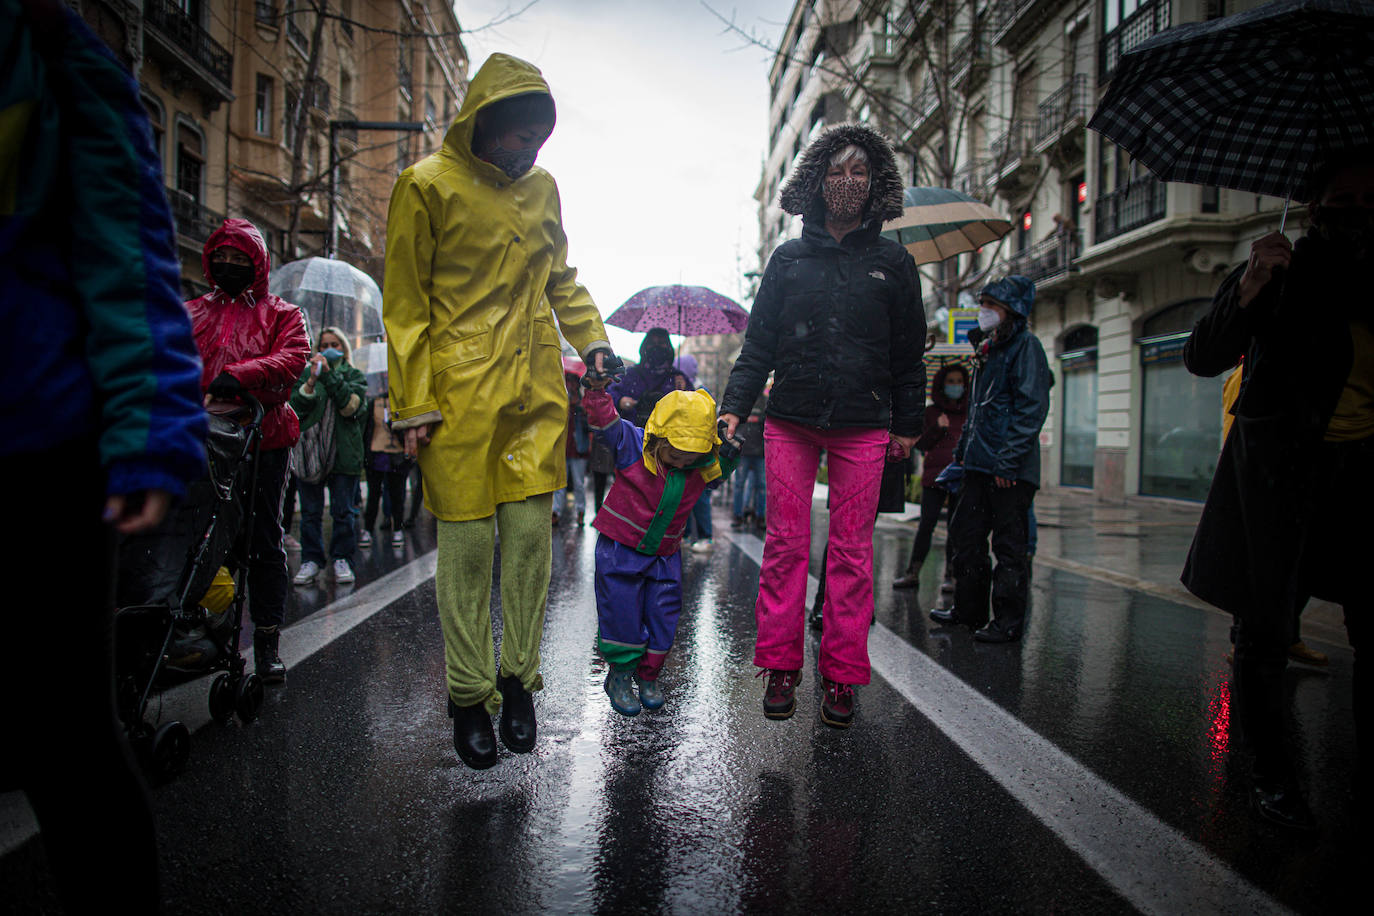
<point x="687" y="419"/>
<point x="476" y="277"/>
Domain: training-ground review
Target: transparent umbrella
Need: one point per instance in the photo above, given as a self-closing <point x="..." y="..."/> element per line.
<point x="332" y="293"/>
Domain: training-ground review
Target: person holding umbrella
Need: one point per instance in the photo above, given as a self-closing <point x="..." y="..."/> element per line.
<point x="838" y="318"/>
<point x="636" y="394"/>
<point x="1298" y="463"/>
<point x="476" y="274"/>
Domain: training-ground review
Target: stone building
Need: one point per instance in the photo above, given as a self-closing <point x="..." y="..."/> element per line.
<point x="223" y="79"/>
<point x="992" y="97"/>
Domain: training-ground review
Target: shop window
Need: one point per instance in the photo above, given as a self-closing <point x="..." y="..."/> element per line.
<point x="1078" y="366"/>
<point x="1180" y="412"/>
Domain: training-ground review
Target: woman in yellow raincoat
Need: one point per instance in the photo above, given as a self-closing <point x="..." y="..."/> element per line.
<point x="476" y="273"/>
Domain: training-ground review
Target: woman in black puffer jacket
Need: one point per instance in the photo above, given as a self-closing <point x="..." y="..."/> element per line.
<point x="838" y="320"/>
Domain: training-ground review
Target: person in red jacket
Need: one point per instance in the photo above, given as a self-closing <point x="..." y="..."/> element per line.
<point x="943" y="426"/>
<point x="252" y="342"/>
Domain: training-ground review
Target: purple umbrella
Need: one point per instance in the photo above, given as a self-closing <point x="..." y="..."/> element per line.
<point x="685" y="310"/>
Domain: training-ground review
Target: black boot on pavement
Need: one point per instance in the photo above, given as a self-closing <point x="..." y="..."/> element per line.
<point x="947" y="617"/>
<point x="473" y="737"/>
<point x="997" y="633"/>
<point x="270" y="668"/>
<point x="518" y="729"/>
<point x="908" y="579"/>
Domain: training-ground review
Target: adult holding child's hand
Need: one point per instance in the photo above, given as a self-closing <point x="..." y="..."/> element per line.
<point x="838" y="321"/>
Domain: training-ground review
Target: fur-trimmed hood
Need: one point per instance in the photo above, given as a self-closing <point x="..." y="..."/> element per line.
<point x="801" y="195"/>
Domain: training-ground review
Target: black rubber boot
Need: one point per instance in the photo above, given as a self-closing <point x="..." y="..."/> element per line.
<point x="518" y="728"/>
<point x="270" y="668"/>
<point x="473" y="737"/>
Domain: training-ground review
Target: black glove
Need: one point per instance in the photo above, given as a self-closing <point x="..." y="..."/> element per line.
<point x="613" y="368"/>
<point x="225" y="386"/>
<point x="729" y="448"/>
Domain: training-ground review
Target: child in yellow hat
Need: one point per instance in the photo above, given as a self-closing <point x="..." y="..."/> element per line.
<point x="660" y="471"/>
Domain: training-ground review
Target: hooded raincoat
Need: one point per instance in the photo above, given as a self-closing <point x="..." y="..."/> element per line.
<point x="256" y="337"/>
<point x="476" y="273"/>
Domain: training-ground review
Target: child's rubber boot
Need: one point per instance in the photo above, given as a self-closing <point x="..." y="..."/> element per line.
<point x="620" y="688"/>
<point x="646" y="678"/>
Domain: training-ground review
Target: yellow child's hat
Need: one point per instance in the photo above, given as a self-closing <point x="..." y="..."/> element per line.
<point x="687" y="419"/>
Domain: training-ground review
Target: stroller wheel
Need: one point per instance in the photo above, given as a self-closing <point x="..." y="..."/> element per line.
<point x="171" y="745"/>
<point x="249" y="699"/>
<point x="222" y="700"/>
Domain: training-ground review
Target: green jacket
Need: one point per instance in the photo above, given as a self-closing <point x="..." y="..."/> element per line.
<point x="344" y="390"/>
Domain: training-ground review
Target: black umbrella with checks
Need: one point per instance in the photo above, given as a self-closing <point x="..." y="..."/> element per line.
<point x="1253" y="102"/>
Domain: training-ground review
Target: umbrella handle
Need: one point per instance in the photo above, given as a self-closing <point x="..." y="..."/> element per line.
<point x="1283" y="220"/>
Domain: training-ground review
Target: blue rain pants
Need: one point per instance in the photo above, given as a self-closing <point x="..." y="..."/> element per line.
<point x="638" y="601"/>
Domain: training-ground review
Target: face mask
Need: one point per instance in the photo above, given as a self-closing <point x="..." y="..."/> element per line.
<point x="332" y="354"/>
<point x="513" y="162"/>
<point x="232" y="278"/>
<point x="845" y="197"/>
<point x="658" y="356"/>
<point x="1351" y="228"/>
<point x="988" y="318"/>
<point x="954" y="392"/>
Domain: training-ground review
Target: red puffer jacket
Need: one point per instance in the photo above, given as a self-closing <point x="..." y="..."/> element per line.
<point x="256" y="337"/>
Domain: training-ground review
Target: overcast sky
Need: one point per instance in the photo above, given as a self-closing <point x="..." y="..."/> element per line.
<point x="662" y="128"/>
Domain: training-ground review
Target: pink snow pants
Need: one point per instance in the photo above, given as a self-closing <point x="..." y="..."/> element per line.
<point x="791" y="455"/>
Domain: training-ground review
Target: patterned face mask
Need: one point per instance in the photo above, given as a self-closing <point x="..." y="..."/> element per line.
<point x="513" y="162"/>
<point x="845" y="196"/>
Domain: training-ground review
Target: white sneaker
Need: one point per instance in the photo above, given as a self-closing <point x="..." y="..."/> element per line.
<point x="398" y="539"/>
<point x="702" y="546"/>
<point x="343" y="573"/>
<point x="364" y="538"/>
<point x="307" y="573"/>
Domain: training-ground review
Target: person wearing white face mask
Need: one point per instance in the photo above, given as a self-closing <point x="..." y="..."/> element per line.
<point x="1000" y="455"/>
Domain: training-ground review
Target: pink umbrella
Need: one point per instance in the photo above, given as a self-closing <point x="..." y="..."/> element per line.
<point x="686" y="310"/>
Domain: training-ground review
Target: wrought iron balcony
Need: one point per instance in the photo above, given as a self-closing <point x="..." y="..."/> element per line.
<point x="1136" y="204"/>
<point x="1012" y="22"/>
<point x="182" y="41"/>
<point x="193" y="222"/>
<point x="1014" y="157"/>
<point x="1067" y="108"/>
<point x="974" y="178"/>
<point x="1049" y="258"/>
<point x="1151" y="17"/>
<point x="970" y="55"/>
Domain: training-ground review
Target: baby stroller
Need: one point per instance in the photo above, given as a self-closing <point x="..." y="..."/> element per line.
<point x="163" y="580"/>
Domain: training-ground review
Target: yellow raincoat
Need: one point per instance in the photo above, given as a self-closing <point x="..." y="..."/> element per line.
<point x="476" y="271"/>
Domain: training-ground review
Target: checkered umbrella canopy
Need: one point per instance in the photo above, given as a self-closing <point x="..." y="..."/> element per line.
<point x="1254" y="101"/>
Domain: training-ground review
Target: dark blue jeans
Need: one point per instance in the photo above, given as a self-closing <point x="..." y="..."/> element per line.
<point x="749" y="475"/>
<point x="343" y="539"/>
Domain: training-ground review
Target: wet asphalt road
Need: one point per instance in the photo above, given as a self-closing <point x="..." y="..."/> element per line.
<point x="346" y="795"/>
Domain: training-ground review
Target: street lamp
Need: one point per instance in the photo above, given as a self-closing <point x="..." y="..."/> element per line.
<point x="331" y="236"/>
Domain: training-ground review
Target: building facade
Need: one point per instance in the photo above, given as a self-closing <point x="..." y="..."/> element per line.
<point x="992" y="97"/>
<point x="246" y="98"/>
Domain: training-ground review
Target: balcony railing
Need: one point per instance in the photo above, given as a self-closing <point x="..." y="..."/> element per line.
<point x="970" y="52"/>
<point x="974" y="177"/>
<point x="1048" y="258"/>
<point x="1067" y="106"/>
<point x="187" y="34"/>
<point x="1137" y="204"/>
<point x="192" y="220"/>
<point x="295" y="32"/>
<point x="1013" y="144"/>
<point x="1153" y="16"/>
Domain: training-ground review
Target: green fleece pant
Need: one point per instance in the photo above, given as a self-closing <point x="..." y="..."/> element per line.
<point x="463" y="582"/>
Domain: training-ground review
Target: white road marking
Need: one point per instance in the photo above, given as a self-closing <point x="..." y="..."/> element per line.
<point x="1151" y="864"/>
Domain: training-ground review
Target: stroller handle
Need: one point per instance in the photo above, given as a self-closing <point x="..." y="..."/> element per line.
<point x="257" y="409"/>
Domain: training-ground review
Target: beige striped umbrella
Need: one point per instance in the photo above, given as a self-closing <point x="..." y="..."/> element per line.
<point x="938" y="223"/>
